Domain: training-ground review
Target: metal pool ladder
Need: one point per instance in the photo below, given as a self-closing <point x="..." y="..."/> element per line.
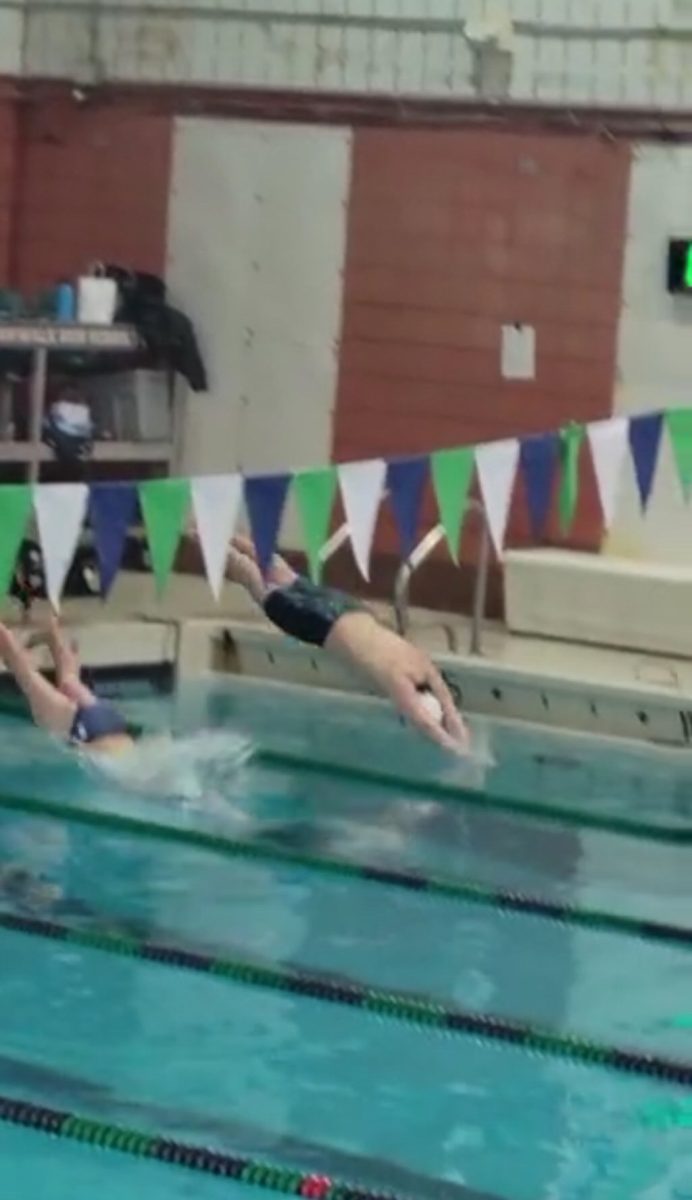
<point x="416" y="559"/>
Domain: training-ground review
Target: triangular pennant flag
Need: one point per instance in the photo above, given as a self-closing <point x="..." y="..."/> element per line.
<point x="679" y="421"/>
<point x="496" y="464"/>
<point x="265" y="497"/>
<point x="608" y="443"/>
<point x="645" y="442"/>
<point x="362" y="489"/>
<point x="60" y="510"/>
<point x="406" y="480"/>
<point x="452" y="471"/>
<point x="538" y="456"/>
<point x="165" y="504"/>
<point x="315" y="492"/>
<point x="571" y="442"/>
<point x="216" y="501"/>
<point x="15" y="506"/>
<point x="112" y="510"/>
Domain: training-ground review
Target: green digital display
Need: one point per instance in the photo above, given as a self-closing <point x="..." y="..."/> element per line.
<point x="680" y="266"/>
<point x="688" y="267"/>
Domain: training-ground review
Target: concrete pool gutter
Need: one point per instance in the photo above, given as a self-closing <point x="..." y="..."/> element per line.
<point x="559" y="684"/>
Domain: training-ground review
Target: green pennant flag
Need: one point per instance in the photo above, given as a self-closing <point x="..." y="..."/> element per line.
<point x="315" y="492"/>
<point x="15" y="507"/>
<point x="572" y="440"/>
<point x="165" y="504"/>
<point x="452" y="471"/>
<point x="679" y="423"/>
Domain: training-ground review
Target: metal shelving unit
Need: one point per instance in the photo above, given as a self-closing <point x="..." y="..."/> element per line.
<point x="44" y="339"/>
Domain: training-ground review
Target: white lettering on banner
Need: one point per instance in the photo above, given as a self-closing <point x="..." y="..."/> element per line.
<point x="66" y="337"/>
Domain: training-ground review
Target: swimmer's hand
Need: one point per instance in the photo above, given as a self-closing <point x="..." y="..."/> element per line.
<point x="405" y="673"/>
<point x="411" y="691"/>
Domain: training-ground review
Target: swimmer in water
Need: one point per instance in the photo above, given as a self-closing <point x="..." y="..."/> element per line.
<point x="331" y="619"/>
<point x="67" y="709"/>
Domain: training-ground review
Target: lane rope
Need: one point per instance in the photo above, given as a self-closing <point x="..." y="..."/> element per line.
<point x="313" y="1160"/>
<point x="410" y="1008"/>
<point x="433" y="789"/>
<point x="137" y="1144"/>
<point x="413" y="881"/>
<point x="223" y="1164"/>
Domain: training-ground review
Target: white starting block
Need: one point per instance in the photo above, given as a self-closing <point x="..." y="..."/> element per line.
<point x="599" y="600"/>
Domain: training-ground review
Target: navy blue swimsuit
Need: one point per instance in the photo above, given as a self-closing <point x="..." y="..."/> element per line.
<point x="95" y="721"/>
<point x="306" y="611"/>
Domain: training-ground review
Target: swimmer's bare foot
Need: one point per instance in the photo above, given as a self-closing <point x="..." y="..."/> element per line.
<point x="243" y="568"/>
<point x="52" y="636"/>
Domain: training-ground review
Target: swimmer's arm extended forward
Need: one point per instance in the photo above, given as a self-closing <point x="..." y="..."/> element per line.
<point x="324" y="617"/>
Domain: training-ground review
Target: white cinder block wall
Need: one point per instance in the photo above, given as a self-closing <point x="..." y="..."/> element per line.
<point x="256" y="244"/>
<point x="636" y="52"/>
<point x="655" y="351"/>
<point x="11" y="37"/>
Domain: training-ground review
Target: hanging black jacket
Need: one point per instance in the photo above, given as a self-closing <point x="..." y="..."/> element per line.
<point x="167" y="333"/>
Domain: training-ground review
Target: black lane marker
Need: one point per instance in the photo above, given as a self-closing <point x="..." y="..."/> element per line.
<point x="419" y="1011"/>
<point x="416" y="881"/>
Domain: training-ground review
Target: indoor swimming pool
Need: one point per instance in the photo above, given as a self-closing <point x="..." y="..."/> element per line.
<point x="336" y="968"/>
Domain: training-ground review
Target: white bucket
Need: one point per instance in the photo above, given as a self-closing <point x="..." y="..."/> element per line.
<point x="97" y="298"/>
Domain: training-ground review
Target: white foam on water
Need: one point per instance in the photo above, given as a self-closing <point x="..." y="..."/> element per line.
<point x="470" y="770"/>
<point x="192" y="769"/>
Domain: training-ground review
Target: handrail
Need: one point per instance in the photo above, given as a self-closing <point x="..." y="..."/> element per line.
<point x="416" y="559"/>
<point x="336" y="541"/>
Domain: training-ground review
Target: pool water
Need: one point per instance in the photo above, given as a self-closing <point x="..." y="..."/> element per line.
<point x="324" y="1087"/>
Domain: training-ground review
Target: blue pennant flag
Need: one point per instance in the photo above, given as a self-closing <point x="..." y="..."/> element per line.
<point x="265" y="498"/>
<point x="645" y="443"/>
<point x="539" y="459"/>
<point x="406" y="480"/>
<point x="112" y="510"/>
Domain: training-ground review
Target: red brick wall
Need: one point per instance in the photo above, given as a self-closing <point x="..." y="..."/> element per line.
<point x="93" y="183"/>
<point x="8" y="153"/>
<point x="452" y="235"/>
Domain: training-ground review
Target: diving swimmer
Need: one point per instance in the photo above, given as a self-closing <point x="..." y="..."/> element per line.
<point x="67" y="709"/>
<point x="328" y="618"/>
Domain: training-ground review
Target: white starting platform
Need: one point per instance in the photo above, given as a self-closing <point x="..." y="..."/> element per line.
<point x="599" y="600"/>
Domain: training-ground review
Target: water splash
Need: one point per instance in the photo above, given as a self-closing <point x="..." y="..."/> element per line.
<point x="192" y="769"/>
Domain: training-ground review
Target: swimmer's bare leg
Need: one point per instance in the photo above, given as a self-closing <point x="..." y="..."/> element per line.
<point x="67" y="668"/>
<point x="243" y="569"/>
<point x="50" y="708"/>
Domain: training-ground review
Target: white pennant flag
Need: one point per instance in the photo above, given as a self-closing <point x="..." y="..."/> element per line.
<point x="216" y="502"/>
<point x="496" y="464"/>
<point x="609" y="441"/>
<point x="60" y="510"/>
<point x="362" y="490"/>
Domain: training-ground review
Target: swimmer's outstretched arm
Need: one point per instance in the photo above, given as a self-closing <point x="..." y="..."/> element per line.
<point x="322" y="617"/>
<point x="50" y="709"/>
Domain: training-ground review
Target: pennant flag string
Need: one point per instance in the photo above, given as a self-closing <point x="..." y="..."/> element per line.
<point x="112" y="512"/>
<point x="549" y="464"/>
<point x="362" y="488"/>
<point x="452" y="472"/>
<point x="608" y="441"/>
<point x="60" y="511"/>
<point x="315" y="492"/>
<point x="216" y="501"/>
<point x="496" y="463"/>
<point x="539" y="457"/>
<point x="679" y="424"/>
<point x="165" y="504"/>
<point x="645" y="441"/>
<point x="571" y="444"/>
<point x="406" y="480"/>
